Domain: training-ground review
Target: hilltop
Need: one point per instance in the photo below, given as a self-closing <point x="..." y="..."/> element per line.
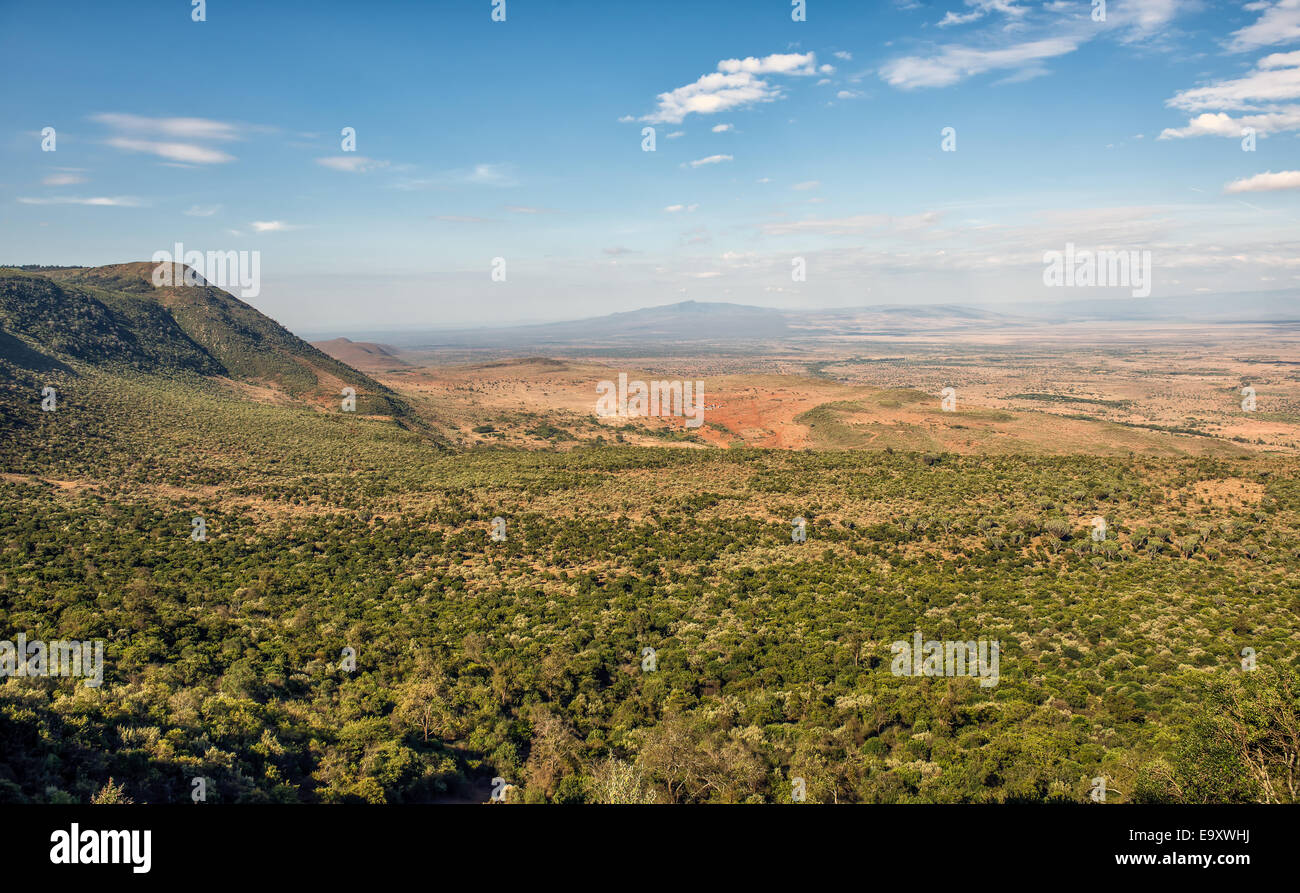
<point x="361" y="354"/>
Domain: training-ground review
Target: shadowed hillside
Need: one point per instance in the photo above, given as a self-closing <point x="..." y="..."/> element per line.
<point x="115" y="319"/>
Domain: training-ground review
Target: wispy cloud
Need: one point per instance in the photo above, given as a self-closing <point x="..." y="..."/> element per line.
<point x="478" y="175"/>
<point x="979" y="9"/>
<point x="62" y="179"/>
<point x="1025" y="38"/>
<point x="956" y="63"/>
<point x="186" y="153"/>
<point x="854" y="225"/>
<point x="490" y="175"/>
<point x="202" y="210"/>
<point x="202" y="129"/>
<point x="712" y="159"/>
<point x="175" y="139"/>
<point x="723" y="128"/>
<point x="1278" y="23"/>
<point x="271" y="226"/>
<point x="118" y="201"/>
<point x="353" y="164"/>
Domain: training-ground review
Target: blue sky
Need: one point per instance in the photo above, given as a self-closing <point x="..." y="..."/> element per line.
<point x="775" y="139"/>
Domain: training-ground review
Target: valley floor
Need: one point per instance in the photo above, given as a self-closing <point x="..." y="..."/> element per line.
<point x="645" y="628"/>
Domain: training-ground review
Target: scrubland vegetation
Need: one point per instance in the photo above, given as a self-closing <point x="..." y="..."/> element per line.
<point x="523" y="659"/>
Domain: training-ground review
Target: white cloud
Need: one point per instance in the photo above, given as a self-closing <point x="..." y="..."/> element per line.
<point x="847" y="94"/>
<point x="777" y="63"/>
<point x="712" y="159"/>
<point x="356" y="164"/>
<point x="183" y="152"/>
<point x="737" y="83"/>
<point x="120" y="201"/>
<point x="676" y="134"/>
<point x="1279" y="60"/>
<point x="810" y="184"/>
<point x="1261" y="92"/>
<point x="1276" y="78"/>
<point x="271" y="226"/>
<point x="841" y="54"/>
<point x="1222" y="124"/>
<point x="711" y="94"/>
<point x="673" y="209"/>
<point x="723" y="128"/>
<point x="1280" y="23"/>
<point x="1266" y="182"/>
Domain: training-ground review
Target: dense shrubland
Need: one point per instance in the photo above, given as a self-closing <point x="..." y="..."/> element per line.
<point x="523" y="659"/>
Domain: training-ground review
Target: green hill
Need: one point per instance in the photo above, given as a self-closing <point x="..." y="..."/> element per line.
<point x="114" y="319"/>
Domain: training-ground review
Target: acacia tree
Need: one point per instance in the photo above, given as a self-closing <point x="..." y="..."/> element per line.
<point x="1243" y="746"/>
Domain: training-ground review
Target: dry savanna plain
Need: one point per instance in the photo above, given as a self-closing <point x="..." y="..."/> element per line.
<point x="1097" y="388"/>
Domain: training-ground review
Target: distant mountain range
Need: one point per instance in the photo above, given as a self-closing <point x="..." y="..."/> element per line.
<point x="702" y="321"/>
